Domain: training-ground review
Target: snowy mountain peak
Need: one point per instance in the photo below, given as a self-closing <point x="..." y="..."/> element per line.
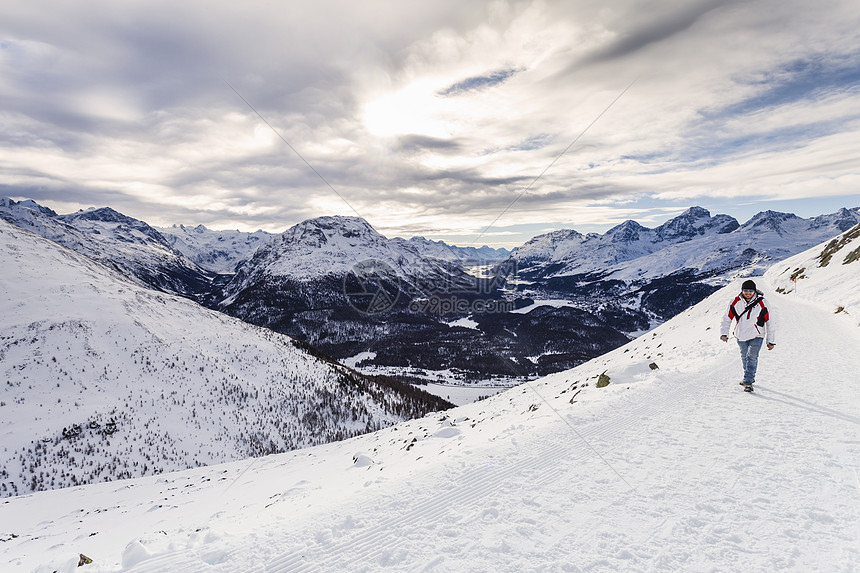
<point x="105" y="214"/>
<point x="626" y="232"/>
<point x="696" y="213"/>
<point x="843" y="219"/>
<point x="552" y="238"/>
<point x="7" y="204"/>
<point x="116" y="222"/>
<point x="332" y="246"/>
<point x="693" y="222"/>
<point x="688" y="218"/>
<point x="321" y="230"/>
<point x="773" y="220"/>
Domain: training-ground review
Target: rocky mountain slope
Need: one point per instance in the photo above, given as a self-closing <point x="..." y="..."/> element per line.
<point x="105" y="379"/>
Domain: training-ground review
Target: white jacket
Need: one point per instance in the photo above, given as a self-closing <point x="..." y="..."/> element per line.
<point x="753" y="320"/>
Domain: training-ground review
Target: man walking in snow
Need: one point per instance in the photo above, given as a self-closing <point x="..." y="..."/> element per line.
<point x="749" y="308"/>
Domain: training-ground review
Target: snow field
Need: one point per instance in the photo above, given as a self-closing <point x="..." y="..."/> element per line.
<point x="674" y="469"/>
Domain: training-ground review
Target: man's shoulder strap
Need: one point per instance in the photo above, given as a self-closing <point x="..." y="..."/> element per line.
<point x="759" y="299"/>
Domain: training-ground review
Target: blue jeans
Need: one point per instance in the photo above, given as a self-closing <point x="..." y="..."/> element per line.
<point x="749" y="357"/>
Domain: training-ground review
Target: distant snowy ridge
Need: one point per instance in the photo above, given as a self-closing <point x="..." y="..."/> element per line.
<point x="663" y="270"/>
<point x="216" y="251"/>
<point x="567" y="252"/>
<point x="750" y="249"/>
<point x="104" y="379"/>
<point x="483" y="255"/>
<point x="694" y="240"/>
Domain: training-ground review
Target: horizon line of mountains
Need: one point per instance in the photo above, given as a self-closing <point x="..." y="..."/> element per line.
<point x="335" y="283"/>
<point x="221" y="251"/>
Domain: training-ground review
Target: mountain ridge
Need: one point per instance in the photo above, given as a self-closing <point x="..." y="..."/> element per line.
<point x="337" y="284"/>
<point x="216" y="251"/>
<point x="686" y="258"/>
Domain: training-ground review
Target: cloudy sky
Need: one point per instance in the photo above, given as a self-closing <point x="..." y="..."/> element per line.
<point x="482" y="122"/>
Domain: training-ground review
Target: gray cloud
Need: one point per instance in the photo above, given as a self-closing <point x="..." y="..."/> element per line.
<point x="124" y="104"/>
<point x="481" y="82"/>
<point x="414" y="143"/>
<point x="659" y="23"/>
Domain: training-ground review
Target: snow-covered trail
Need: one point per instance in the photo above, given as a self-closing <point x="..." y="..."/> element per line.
<point x="719" y="478"/>
<point x="676" y="470"/>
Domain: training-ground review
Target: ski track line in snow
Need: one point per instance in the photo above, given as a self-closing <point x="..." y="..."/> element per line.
<point x="369" y="545"/>
<point x="178" y="562"/>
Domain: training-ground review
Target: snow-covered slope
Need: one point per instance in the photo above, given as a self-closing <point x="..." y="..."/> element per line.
<point x="216" y="251"/>
<point x="116" y="240"/>
<point x="667" y="469"/>
<point x="822" y="273"/>
<point x="104" y="379"/>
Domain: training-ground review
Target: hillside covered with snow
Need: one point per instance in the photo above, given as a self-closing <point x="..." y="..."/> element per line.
<point x="822" y="273"/>
<point x="123" y="243"/>
<point x="648" y="458"/>
<point x="104" y="379"/>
